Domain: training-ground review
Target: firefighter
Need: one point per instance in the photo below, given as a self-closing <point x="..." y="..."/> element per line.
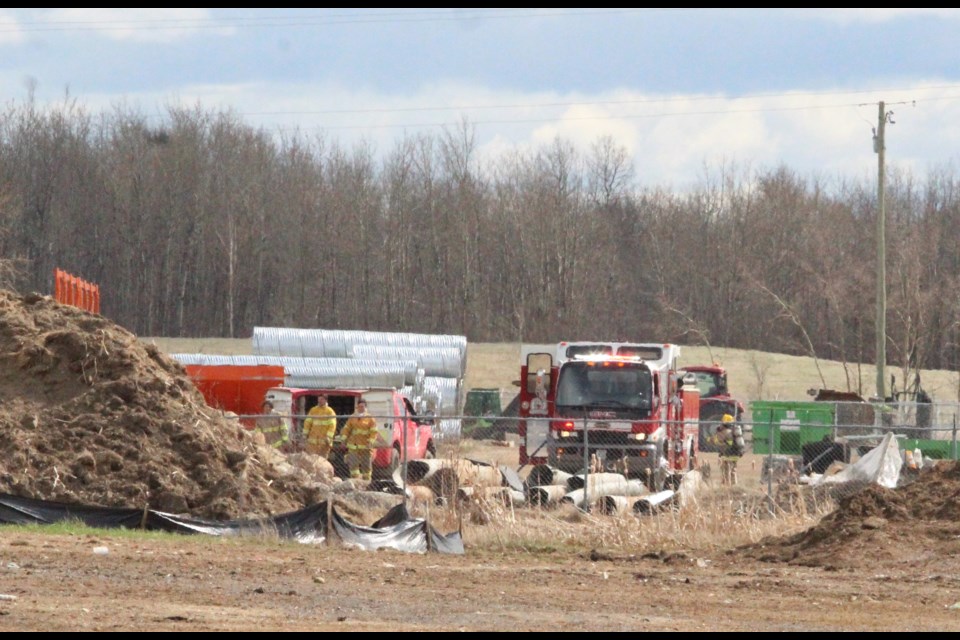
<point x="320" y="427"/>
<point x="272" y="426"/>
<point x="729" y="441"/>
<point x="360" y="434"/>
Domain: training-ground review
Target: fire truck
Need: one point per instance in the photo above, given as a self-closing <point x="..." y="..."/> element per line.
<point x="715" y="401"/>
<point x="617" y="406"/>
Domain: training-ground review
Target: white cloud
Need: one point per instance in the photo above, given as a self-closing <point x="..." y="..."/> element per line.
<point x="584" y="124"/>
<point x="670" y="138"/>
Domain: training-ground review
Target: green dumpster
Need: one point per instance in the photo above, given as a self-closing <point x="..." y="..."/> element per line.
<point x="790" y="425"/>
<point x="933" y="449"/>
<point x="479" y="406"/>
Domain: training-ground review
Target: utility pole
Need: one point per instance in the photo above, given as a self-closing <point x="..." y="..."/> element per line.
<point x="879" y="148"/>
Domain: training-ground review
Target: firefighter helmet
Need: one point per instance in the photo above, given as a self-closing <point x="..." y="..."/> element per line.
<point x="727" y="418"/>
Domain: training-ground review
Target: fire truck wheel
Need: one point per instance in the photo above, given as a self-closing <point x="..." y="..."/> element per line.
<point x="655" y="480"/>
<point x="431" y="451"/>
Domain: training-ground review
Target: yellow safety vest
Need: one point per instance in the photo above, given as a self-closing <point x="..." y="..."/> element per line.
<point x="360" y="432"/>
<point x="273" y="430"/>
<point x="317" y="428"/>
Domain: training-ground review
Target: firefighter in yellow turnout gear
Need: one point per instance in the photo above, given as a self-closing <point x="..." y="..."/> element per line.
<point x="360" y="435"/>
<point x="272" y="426"/>
<point x="320" y="427"/>
<point x="729" y="441"/>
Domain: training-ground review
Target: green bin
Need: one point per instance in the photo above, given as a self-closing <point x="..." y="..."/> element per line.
<point x="480" y="404"/>
<point x="933" y="449"/>
<point x="792" y="424"/>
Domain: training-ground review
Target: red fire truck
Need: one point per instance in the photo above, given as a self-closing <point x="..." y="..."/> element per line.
<point x="623" y="406"/>
<point x="715" y="401"/>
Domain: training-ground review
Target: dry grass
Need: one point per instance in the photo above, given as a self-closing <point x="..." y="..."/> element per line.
<point x="753" y="375"/>
<point x="720" y="520"/>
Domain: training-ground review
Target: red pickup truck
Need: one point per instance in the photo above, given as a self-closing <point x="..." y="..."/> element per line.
<point x="397" y="423"/>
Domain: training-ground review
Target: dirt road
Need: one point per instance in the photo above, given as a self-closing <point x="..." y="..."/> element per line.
<point x="61" y="583"/>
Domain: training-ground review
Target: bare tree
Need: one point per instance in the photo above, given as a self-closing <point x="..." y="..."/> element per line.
<point x="790" y="314"/>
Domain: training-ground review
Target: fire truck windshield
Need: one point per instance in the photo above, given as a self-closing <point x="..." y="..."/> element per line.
<point x="614" y="385"/>
<point x="709" y="384"/>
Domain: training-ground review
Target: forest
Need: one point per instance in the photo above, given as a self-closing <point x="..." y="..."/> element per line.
<point x="196" y="224"/>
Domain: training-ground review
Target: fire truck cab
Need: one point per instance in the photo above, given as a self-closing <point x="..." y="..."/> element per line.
<point x="715" y="401"/>
<point x="617" y="406"/>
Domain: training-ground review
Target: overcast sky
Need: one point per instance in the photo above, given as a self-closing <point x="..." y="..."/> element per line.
<point x="685" y="91"/>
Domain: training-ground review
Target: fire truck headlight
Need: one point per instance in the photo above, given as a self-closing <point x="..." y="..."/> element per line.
<point x="640" y="436"/>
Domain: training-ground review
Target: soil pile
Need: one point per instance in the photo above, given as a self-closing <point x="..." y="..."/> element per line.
<point x="918" y="524"/>
<point x="90" y="414"/>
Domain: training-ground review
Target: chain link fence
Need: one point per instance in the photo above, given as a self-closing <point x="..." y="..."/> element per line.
<point x="826" y="451"/>
<point x="796" y="460"/>
<point x="793" y="458"/>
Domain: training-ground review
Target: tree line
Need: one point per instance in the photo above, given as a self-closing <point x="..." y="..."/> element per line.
<point x="206" y="226"/>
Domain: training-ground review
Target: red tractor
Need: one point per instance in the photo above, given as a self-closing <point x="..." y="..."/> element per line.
<point x="715" y="401"/>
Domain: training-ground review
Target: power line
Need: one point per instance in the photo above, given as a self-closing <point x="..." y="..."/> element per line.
<point x="307" y="21"/>
<point x="581" y="118"/>
<point x="664" y="114"/>
<point x="539" y="105"/>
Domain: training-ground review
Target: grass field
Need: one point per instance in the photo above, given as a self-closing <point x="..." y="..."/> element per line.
<point x="753" y="375"/>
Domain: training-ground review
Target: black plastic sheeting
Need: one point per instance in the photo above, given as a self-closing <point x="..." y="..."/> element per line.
<point x="396" y="530"/>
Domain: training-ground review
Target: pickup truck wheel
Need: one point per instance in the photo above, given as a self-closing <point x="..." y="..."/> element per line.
<point x="387" y="472"/>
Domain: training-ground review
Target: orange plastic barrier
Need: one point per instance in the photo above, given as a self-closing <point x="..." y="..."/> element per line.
<point x="236" y="388"/>
<point x="75" y="291"/>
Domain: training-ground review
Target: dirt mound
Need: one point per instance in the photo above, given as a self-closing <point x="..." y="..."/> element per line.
<point x="916" y="523"/>
<point x="90" y="414"/>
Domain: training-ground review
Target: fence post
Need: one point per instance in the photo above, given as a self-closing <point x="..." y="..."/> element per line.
<point x="403" y="459"/>
<point x="770" y="461"/>
<point x="329" y="531"/>
<point x="953" y="441"/>
<point x="586" y="466"/>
